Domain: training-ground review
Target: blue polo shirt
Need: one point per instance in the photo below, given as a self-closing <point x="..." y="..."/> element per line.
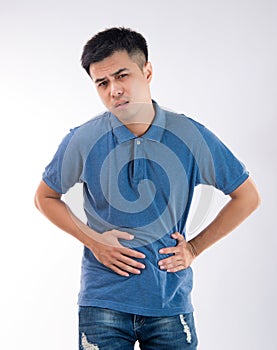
<point x="144" y="186"/>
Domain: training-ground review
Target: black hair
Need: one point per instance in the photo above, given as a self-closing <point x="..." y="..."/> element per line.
<point x="109" y="41"/>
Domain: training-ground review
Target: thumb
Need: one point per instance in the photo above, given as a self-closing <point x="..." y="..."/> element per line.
<point x="123" y="235"/>
<point x="177" y="235"/>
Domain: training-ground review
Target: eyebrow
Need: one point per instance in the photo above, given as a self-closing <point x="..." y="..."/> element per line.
<point x="120" y="70"/>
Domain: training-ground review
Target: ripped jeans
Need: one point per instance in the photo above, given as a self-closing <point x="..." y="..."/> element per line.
<point x="104" y="329"/>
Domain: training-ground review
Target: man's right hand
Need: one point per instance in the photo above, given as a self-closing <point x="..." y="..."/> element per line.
<point x="107" y="250"/>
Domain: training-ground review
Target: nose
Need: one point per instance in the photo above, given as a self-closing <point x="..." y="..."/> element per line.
<point x="116" y="89"/>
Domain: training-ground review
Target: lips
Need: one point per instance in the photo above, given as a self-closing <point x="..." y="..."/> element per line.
<point x="119" y="104"/>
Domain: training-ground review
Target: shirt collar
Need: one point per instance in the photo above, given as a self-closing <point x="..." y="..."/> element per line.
<point x="155" y="132"/>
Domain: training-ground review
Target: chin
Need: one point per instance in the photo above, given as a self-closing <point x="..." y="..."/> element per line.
<point x="124" y="115"/>
<point x="125" y="112"/>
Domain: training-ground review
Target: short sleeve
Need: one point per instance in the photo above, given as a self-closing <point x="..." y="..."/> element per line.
<point x="65" y="168"/>
<point x="219" y="167"/>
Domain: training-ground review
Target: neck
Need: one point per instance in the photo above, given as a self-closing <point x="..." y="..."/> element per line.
<point x="139" y="123"/>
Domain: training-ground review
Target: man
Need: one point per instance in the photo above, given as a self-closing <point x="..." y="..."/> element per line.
<point x="139" y="165"/>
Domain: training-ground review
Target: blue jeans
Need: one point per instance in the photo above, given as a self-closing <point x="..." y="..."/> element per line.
<point x="104" y="329"/>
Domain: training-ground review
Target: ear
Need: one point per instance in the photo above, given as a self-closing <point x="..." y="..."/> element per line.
<point x="148" y="71"/>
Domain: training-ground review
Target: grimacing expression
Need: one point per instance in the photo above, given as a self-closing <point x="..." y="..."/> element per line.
<point x="122" y="84"/>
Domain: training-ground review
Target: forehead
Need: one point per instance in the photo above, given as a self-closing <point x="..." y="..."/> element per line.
<point x="111" y="64"/>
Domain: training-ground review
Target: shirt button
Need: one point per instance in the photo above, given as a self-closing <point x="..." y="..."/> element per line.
<point x="138" y="142"/>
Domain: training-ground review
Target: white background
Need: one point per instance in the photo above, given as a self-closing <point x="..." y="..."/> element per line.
<point x="214" y="61"/>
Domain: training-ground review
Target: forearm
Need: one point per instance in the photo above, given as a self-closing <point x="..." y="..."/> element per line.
<point x="105" y="246"/>
<point x="60" y="215"/>
<point x="232" y="215"/>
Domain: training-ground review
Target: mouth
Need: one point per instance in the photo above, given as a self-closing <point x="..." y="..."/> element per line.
<point x="120" y="104"/>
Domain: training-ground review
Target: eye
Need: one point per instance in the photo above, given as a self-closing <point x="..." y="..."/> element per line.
<point x="121" y="76"/>
<point x="103" y="83"/>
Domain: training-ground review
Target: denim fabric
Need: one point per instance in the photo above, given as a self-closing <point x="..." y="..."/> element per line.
<point x="104" y="329"/>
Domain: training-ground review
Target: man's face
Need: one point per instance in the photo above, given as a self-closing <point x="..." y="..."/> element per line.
<point x="122" y="85"/>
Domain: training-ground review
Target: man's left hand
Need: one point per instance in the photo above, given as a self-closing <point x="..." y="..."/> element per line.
<point x="182" y="257"/>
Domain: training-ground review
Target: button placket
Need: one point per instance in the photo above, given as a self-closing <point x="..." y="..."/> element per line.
<point x="138" y="161"/>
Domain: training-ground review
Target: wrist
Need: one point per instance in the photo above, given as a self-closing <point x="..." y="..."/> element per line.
<point x="192" y="249"/>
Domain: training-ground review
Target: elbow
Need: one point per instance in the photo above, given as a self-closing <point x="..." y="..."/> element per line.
<point x="254" y="200"/>
<point x="259" y="200"/>
<point x="248" y="195"/>
<point x="43" y="195"/>
<point x="252" y="195"/>
<point x="36" y="201"/>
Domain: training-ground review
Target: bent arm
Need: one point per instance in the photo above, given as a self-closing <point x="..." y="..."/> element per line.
<point x="105" y="246"/>
<point x="244" y="200"/>
<point x="49" y="203"/>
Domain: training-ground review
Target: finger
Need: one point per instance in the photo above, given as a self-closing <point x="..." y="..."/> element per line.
<point x="122" y="235"/>
<point x="119" y="271"/>
<point x="169" y="250"/>
<point x="130" y="262"/>
<point x="131" y="252"/>
<point x="173" y="265"/>
<point x="169" y="262"/>
<point x="177" y="235"/>
<point x="177" y="268"/>
<point x="127" y="268"/>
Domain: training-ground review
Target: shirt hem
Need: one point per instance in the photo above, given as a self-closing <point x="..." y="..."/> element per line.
<point x="135" y="309"/>
<point x="236" y="184"/>
<point x="51" y="184"/>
